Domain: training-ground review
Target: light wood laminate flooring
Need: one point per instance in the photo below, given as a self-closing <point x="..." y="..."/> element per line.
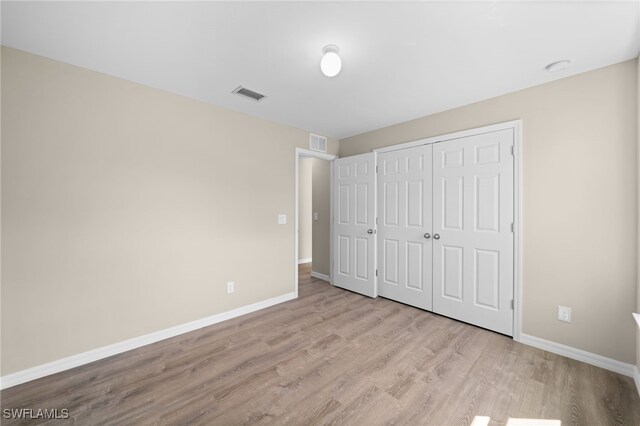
<point x="333" y="357"/>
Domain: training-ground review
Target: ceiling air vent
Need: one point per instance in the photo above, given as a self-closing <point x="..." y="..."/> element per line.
<point x="248" y="93"/>
<point x="317" y="142"/>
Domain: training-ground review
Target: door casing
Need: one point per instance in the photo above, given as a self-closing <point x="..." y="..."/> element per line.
<point x="307" y="153"/>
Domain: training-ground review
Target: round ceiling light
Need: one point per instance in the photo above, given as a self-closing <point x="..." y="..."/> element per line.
<point x="558" y="65"/>
<point x="331" y="62"/>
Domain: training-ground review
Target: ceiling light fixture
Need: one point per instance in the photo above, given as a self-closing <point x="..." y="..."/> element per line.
<point x="331" y="62"/>
<point x="558" y="65"/>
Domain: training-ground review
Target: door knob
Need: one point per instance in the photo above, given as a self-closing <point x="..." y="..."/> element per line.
<point x="436" y="236"/>
<point x="370" y="231"/>
<point x="427" y="235"/>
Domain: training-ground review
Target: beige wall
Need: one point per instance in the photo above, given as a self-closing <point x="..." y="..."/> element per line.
<point x="580" y="194"/>
<point x="125" y="209"/>
<point x="321" y="227"/>
<point x="305" y="170"/>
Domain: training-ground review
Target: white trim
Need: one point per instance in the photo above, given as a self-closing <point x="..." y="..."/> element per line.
<point x="636" y="378"/>
<point x="307" y="153"/>
<point x="302" y="152"/>
<point x="320" y="276"/>
<point x="375" y="224"/>
<point x="580" y="355"/>
<point x="296" y="188"/>
<point x="331" y="219"/>
<point x="449" y="136"/>
<point x="516" y="126"/>
<point x="306" y="260"/>
<point x="67" y="363"/>
<point x="636" y="317"/>
<point x="518" y="223"/>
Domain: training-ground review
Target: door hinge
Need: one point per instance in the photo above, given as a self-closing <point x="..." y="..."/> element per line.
<point x="376" y="169"/>
<point x="376" y="272"/>
<point x="512" y="227"/>
<point x="511" y="303"/>
<point x="513" y="150"/>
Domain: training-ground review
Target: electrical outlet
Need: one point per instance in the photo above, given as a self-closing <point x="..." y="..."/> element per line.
<point x="230" y="287"/>
<point x="564" y="313"/>
<point x="315" y="215"/>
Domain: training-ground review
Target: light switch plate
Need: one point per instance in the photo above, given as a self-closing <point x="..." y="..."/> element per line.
<point x="282" y="219"/>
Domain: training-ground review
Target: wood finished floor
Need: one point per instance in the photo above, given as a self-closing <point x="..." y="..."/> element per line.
<point x="334" y="357"/>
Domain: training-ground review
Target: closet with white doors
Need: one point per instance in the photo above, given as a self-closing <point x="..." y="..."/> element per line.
<point x="443" y="229"/>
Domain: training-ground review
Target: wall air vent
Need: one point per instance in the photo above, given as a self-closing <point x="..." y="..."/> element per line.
<point x="317" y="142"/>
<point x="248" y="93"/>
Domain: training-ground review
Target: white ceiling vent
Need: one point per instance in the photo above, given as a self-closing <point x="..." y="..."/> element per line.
<point x="248" y="93"/>
<point x="317" y="142"/>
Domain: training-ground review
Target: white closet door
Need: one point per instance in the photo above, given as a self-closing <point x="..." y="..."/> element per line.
<point x="404" y="226"/>
<point x="472" y="226"/>
<point x="354" y="224"/>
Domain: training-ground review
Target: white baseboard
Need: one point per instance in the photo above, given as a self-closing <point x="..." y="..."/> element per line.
<point x="580" y="355"/>
<point x="67" y="363"/>
<point x="301" y="261"/>
<point x="320" y="276"/>
<point x="636" y="378"/>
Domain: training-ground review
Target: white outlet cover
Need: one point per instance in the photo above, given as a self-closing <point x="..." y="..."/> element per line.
<point x="282" y="219"/>
<point x="230" y="286"/>
<point x="564" y="313"/>
<point x="315" y="216"/>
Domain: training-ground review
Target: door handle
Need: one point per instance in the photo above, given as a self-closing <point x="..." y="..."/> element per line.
<point x="427" y="235"/>
<point x="370" y="231"/>
<point x="436" y="236"/>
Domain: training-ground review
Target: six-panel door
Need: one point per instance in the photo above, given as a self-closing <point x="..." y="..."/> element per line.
<point x="404" y="226"/>
<point x="354" y="218"/>
<point x="446" y="214"/>
<point x="473" y="217"/>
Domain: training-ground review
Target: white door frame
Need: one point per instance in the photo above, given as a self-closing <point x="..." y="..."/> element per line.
<point x="307" y="153"/>
<point x="516" y="125"/>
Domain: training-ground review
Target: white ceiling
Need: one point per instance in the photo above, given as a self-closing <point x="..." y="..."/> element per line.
<point x="400" y="60"/>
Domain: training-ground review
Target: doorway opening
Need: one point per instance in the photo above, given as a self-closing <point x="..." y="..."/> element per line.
<point x="313" y="213"/>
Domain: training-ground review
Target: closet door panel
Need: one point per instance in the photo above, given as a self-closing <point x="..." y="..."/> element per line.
<point x="405" y="216"/>
<point x="473" y="216"/>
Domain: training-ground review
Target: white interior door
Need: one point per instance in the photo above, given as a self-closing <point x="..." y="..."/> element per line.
<point x="354" y="238"/>
<point x="404" y="226"/>
<point x="472" y="230"/>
